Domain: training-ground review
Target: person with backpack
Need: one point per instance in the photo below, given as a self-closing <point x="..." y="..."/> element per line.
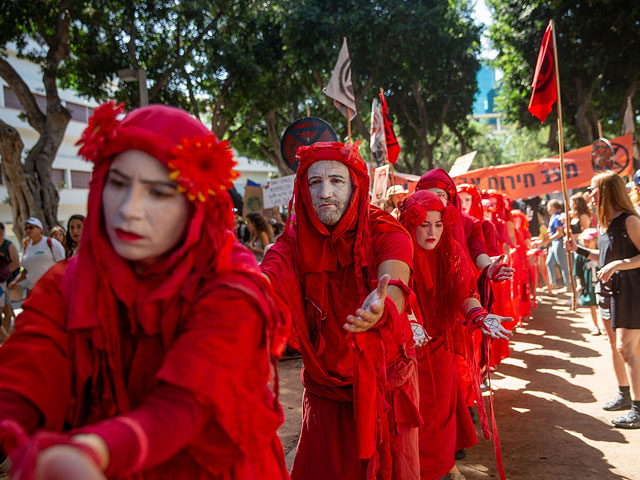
<point x="9" y="263"/>
<point x="40" y="254"/>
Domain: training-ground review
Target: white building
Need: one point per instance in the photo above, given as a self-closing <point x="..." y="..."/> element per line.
<point x="70" y="173"/>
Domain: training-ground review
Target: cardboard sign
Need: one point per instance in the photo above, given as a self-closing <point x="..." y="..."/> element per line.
<point x="380" y="182"/>
<point x="278" y="191"/>
<point x="529" y="179"/>
<point x="462" y="164"/>
<point x="252" y="201"/>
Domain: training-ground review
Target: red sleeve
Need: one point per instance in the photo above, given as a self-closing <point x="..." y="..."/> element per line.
<point x="223" y="359"/>
<point x="152" y="433"/>
<point x="491" y="241"/>
<point x="16" y="407"/>
<point x="475" y="237"/>
<point x="393" y="246"/>
<point x="35" y="361"/>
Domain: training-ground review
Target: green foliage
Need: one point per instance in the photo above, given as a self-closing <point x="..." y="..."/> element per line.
<point x="598" y="57"/>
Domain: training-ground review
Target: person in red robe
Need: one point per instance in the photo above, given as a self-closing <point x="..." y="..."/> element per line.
<point x="149" y="354"/>
<point x="444" y="283"/>
<point x="333" y="266"/>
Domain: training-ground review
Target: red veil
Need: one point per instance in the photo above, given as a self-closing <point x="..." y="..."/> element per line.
<point x="443" y="277"/>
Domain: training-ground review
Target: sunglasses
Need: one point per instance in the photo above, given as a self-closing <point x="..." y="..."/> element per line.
<point x="29" y="227"/>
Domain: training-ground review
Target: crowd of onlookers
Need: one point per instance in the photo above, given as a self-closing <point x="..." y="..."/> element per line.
<point x="258" y="233"/>
<point x="19" y="274"/>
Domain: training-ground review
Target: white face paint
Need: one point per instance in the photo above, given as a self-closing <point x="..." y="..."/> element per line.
<point x="428" y="233"/>
<point x="465" y="201"/>
<point x="330" y="189"/>
<point x="440" y="193"/>
<point x="144" y="214"/>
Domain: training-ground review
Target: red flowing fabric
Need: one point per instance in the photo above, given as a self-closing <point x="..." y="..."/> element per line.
<point x="442" y="280"/>
<point x="323" y="275"/>
<point x="110" y="336"/>
<point x="468" y="231"/>
<point x="545" y="92"/>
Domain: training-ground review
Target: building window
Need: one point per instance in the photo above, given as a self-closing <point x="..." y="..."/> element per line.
<point x="57" y="178"/>
<point x="78" y="112"/>
<point x="80" y="179"/>
<point x="11" y="100"/>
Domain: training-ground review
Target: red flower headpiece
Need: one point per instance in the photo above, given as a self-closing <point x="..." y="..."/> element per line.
<point x="202" y="167"/>
<point x="198" y="162"/>
<point x="103" y="126"/>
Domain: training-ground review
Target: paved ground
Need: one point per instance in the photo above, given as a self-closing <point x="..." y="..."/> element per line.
<point x="547" y="398"/>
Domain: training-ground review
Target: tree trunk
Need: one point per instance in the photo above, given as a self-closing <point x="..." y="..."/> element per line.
<point x="274" y="143"/>
<point x="629" y="122"/>
<point x="20" y="198"/>
<point x="586" y="131"/>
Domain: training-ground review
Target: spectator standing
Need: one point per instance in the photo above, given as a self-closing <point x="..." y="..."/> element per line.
<point x="261" y="234"/>
<point x="40" y="254"/>
<point x="59" y="234"/>
<point x="557" y="255"/>
<point x="9" y="263"/>
<point x="74" y="233"/>
<point x="619" y="257"/>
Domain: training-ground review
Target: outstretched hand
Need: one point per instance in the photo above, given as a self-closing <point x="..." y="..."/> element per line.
<point x="492" y="326"/>
<point x="371" y="311"/>
<point x="498" y="271"/>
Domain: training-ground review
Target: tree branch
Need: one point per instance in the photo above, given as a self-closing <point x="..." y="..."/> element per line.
<point x="35" y="117"/>
<point x="180" y="58"/>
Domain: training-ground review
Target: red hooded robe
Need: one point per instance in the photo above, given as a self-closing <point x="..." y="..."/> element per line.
<point x="170" y="367"/>
<point x="360" y="416"/>
<point x="443" y="279"/>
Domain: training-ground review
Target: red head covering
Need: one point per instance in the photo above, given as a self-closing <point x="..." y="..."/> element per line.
<point x="103" y="290"/>
<point x="442" y="276"/>
<point x="502" y="208"/>
<point x="476" y="210"/>
<point x="438" y="178"/>
<point x="321" y="249"/>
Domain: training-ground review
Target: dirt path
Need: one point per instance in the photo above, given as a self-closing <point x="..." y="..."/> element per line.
<point x="547" y="398"/>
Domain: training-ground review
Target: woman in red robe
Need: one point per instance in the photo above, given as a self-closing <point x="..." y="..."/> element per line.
<point x="147" y="355"/>
<point x="444" y="283"/>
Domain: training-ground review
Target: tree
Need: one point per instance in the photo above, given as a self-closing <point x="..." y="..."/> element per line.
<point x="40" y="33"/>
<point x="598" y="54"/>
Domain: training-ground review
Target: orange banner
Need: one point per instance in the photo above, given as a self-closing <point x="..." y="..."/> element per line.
<point x="532" y="179"/>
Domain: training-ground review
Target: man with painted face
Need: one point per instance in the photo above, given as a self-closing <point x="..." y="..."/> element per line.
<point x="342" y="267"/>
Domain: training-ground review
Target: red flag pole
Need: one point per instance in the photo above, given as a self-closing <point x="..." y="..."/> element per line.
<point x="567" y="230"/>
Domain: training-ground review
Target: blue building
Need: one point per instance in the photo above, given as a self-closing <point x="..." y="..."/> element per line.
<point x="484" y="105"/>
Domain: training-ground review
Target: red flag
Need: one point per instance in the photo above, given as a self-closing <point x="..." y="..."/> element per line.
<point x="393" y="148"/>
<point x="544" y="81"/>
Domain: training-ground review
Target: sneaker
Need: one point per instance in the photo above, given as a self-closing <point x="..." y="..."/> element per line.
<point x="620" y="402"/>
<point x="630" y="420"/>
<point x="596" y="331"/>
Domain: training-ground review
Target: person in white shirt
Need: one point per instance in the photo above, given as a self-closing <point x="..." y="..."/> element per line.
<point x="40" y="254"/>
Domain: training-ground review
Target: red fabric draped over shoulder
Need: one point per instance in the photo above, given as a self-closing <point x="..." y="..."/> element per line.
<point x="106" y="301"/>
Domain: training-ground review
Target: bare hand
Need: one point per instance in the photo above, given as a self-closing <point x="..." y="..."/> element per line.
<point x="370" y="313"/>
<point x="498" y="271"/>
<point x="491" y="325"/>
<point x="606" y="272"/>
<point x="570" y="244"/>
<point x="64" y="462"/>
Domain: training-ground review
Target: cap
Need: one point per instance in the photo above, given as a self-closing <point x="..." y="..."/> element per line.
<point x="33" y="221"/>
<point x="636" y="178"/>
<point x="588" y="234"/>
<point x="396" y="190"/>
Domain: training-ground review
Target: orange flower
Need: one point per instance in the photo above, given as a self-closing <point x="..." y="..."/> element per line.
<point x="202" y="167"/>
